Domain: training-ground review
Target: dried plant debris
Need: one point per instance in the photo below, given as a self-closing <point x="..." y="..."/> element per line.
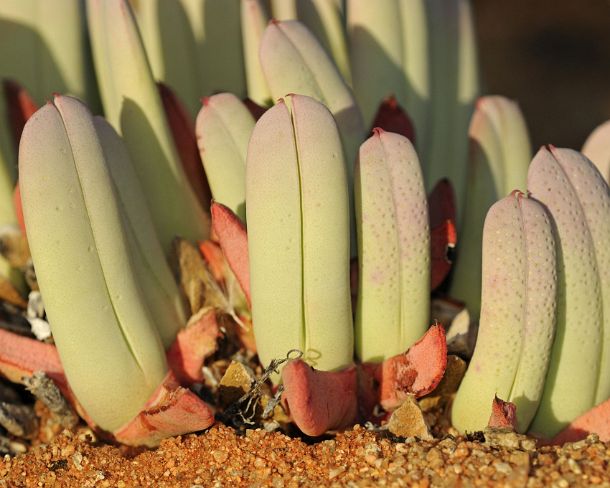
<point x="19" y="420"/>
<point x="45" y="390"/>
<point x="14" y="246"/>
<point x="258" y="405"/>
<point x="196" y="280"/>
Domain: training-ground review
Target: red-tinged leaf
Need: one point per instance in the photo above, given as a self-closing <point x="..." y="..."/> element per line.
<point x="319" y="401"/>
<point x="212" y="253"/>
<point x="443" y="237"/>
<point x="417" y="371"/>
<point x="193" y="345"/>
<point x="503" y="415"/>
<point x="255" y="109"/>
<point x="233" y="240"/>
<point x="391" y="117"/>
<point x="21" y="356"/>
<point x="18" y="208"/>
<point x="171" y="411"/>
<point x="443" y="233"/>
<point x="183" y="133"/>
<point x="595" y="421"/>
<point x="20" y="107"/>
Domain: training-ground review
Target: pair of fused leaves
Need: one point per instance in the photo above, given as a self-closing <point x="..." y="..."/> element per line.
<point x="133" y="106"/>
<point x="499" y="155"/>
<point x="517" y="322"/>
<point x="109" y="294"/>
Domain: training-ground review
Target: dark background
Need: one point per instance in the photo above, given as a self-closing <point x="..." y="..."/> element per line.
<point x="553" y="58"/>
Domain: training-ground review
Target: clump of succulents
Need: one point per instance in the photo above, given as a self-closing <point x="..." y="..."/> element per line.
<point x="320" y="237"/>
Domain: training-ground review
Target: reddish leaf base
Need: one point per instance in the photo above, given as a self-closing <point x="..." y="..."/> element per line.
<point x="231" y="234"/>
<point x="212" y="253"/>
<point x="319" y="401"/>
<point x="18" y="208"/>
<point x="20" y="107"/>
<point x="416" y="372"/>
<point x="21" y="356"/>
<point x="193" y="345"/>
<point x="503" y="415"/>
<point x="183" y="133"/>
<point x="391" y="117"/>
<point x="443" y="234"/>
<point x="255" y="109"/>
<point x="172" y="410"/>
<point x="596" y="420"/>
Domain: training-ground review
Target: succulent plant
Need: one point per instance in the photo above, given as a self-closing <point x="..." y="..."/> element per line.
<point x="578" y="200"/>
<point x="133" y="106"/>
<point x="499" y="155"/>
<point x="393" y="303"/>
<point x="298" y="231"/>
<point x="102" y="211"/>
<point x="517" y="323"/>
<point x="224" y="126"/>
<point x="597" y="149"/>
<point x="78" y="234"/>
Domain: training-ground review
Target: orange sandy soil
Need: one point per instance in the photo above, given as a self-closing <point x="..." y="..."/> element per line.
<point x="358" y="457"/>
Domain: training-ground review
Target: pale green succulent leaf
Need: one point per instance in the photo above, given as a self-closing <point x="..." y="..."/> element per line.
<point x="48" y="48"/>
<point x="498" y="159"/>
<point x="416" y="69"/>
<point x="166" y="31"/>
<point x="574" y="372"/>
<point x="517" y="317"/>
<point x="454" y="88"/>
<point x="100" y="321"/>
<point x="298" y="235"/>
<point x="216" y="27"/>
<point x="376" y="53"/>
<point x="153" y="272"/>
<point x="224" y="126"/>
<point x="293" y="61"/>
<point x="597" y="149"/>
<point x="133" y="107"/>
<point x="394" y="248"/>
<point x="254" y="19"/>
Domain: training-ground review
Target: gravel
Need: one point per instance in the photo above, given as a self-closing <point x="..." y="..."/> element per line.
<point x="358" y="457"/>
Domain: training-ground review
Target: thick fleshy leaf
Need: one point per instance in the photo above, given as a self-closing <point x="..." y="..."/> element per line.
<point x="595" y="421"/>
<point x="233" y="241"/>
<point x="193" y="345"/>
<point x="517" y="324"/>
<point x="578" y="198"/>
<point x="254" y="19"/>
<point x="21" y="356"/>
<point x="319" y="400"/>
<point x="417" y="371"/>
<point x="443" y="233"/>
<point x="183" y="132"/>
<point x="393" y="246"/>
<point x="503" y="415"/>
<point x="499" y="155"/>
<point x="78" y="234"/>
<point x="391" y="117"/>
<point x="376" y="53"/>
<point x="224" y="126"/>
<point x="20" y="107"/>
<point x="298" y="233"/>
<point x="597" y="149"/>
<point x="171" y="411"/>
<point x="133" y="106"/>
